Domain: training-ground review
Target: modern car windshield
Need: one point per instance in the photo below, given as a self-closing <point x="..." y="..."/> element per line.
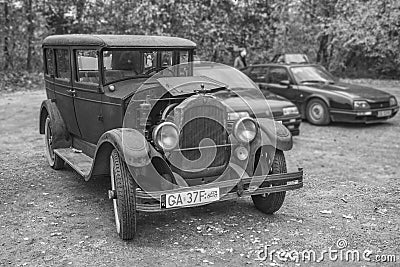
<point x="312" y="74"/>
<point x="232" y="77"/>
<point x="122" y="64"/>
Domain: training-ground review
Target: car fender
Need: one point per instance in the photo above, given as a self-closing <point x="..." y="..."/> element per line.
<point x="131" y="145"/>
<point x="61" y="136"/>
<point x="275" y="134"/>
<point x="144" y="162"/>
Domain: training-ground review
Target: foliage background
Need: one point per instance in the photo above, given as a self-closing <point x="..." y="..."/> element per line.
<point x="352" y="38"/>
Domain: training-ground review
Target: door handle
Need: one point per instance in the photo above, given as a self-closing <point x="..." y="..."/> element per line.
<point x="71" y="92"/>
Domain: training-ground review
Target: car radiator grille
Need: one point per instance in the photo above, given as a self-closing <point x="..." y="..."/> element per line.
<point x="375" y="105"/>
<point x="204" y="122"/>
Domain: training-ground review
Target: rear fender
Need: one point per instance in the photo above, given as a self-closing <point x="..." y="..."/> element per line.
<point x="61" y="136"/>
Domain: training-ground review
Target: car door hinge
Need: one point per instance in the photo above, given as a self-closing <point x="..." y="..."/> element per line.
<point x="100" y="118"/>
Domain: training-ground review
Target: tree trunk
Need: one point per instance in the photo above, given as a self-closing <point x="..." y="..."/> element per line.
<point x="30" y="32"/>
<point x="6" y="33"/>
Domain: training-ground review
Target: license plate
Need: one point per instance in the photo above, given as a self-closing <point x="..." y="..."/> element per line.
<point x="292" y="120"/>
<point x="384" y="113"/>
<point x="189" y="198"/>
<point x="279" y="122"/>
<point x="290" y="126"/>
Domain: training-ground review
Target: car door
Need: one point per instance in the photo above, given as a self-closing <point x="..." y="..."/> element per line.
<point x="63" y="90"/>
<point x="87" y="93"/>
<point x="49" y="71"/>
<point x="279" y="81"/>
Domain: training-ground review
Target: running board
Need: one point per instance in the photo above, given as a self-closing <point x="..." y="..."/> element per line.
<point x="78" y="160"/>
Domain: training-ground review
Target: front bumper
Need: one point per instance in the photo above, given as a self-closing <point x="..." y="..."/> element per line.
<point x="292" y="123"/>
<point x="229" y="189"/>
<point x="363" y="116"/>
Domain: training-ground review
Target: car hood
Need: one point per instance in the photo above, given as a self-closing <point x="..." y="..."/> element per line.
<point x="355" y="91"/>
<point x="256" y="106"/>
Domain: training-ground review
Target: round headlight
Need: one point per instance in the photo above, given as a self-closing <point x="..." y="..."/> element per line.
<point x="166" y="136"/>
<point x="245" y="130"/>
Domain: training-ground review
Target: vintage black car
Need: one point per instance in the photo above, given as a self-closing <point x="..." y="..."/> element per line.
<point x="164" y="141"/>
<point x="322" y="98"/>
<point x="282" y="110"/>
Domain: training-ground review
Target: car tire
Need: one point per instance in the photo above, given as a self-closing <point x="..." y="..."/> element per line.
<point x="317" y="112"/>
<point x="54" y="160"/>
<point x="270" y="203"/>
<point x="123" y="189"/>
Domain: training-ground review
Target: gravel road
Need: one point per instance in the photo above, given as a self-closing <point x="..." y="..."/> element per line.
<point x="349" y="203"/>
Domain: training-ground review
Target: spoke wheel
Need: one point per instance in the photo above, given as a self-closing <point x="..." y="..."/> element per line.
<point x="317" y="112"/>
<point x="54" y="160"/>
<point x="123" y="194"/>
<point x="270" y="203"/>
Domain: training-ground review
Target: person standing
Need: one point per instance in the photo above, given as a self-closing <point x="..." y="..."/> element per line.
<point x="240" y="61"/>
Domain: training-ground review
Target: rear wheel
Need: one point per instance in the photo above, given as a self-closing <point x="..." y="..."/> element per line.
<point x="54" y="160"/>
<point x="270" y="203"/>
<point x="123" y="195"/>
<point x="317" y="112"/>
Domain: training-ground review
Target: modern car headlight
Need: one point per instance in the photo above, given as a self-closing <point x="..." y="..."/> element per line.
<point x="361" y="104"/>
<point x="393" y="101"/>
<point x="166" y="136"/>
<point x="245" y="129"/>
<point x="290" y="111"/>
<point x="232" y="116"/>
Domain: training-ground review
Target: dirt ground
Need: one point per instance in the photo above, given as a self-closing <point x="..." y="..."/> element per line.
<point x="350" y="202"/>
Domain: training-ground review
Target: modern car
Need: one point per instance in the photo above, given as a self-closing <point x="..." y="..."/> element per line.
<point x="282" y="110"/>
<point x="128" y="108"/>
<point x="288" y="58"/>
<point x="321" y="97"/>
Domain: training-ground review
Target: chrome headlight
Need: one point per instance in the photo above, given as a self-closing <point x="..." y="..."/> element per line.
<point x="166" y="136"/>
<point x="361" y="104"/>
<point x="245" y="129"/>
<point x="290" y="111"/>
<point x="232" y="116"/>
<point x="392" y="101"/>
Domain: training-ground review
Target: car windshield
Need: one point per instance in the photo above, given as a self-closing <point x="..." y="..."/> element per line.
<point x="312" y="74"/>
<point x="122" y="64"/>
<point x="233" y="78"/>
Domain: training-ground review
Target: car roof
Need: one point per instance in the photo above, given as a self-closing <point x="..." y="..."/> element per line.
<point x="282" y="65"/>
<point x="140" y="41"/>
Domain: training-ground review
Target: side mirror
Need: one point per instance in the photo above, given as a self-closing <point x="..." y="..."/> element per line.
<point x="285" y="83"/>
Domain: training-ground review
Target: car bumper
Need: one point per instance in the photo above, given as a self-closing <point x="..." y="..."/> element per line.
<point x="364" y="116"/>
<point x="229" y="189"/>
<point x="291" y="122"/>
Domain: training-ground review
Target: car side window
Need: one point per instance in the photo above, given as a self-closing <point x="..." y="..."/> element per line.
<point x="276" y="75"/>
<point x="49" y="68"/>
<point x="63" y="64"/>
<point x="259" y="74"/>
<point x="87" y="66"/>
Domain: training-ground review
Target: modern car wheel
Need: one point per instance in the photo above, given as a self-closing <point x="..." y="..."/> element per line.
<point x="317" y="112"/>
<point x="123" y="195"/>
<point x="270" y="203"/>
<point x="54" y="160"/>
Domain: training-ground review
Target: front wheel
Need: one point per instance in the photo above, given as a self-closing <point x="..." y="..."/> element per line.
<point x="317" y="112"/>
<point x="123" y="194"/>
<point x="270" y="203"/>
